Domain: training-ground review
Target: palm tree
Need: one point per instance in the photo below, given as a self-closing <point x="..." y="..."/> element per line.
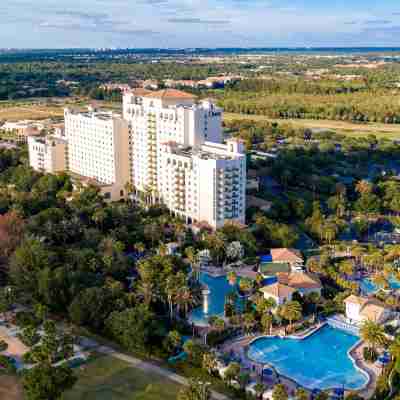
<point x="291" y="311"/>
<point x="373" y="334"/>
<point x="248" y="322"/>
<point x="209" y="362"/>
<point x="192" y="258"/>
<point x="232" y="278"/>
<point x="171" y="292"/>
<point x="185" y="298"/>
<point x="266" y="323"/>
<point x="259" y="388"/>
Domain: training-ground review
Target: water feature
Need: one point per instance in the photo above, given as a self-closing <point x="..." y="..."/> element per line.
<point x="213" y="300"/>
<point x="320" y="361"/>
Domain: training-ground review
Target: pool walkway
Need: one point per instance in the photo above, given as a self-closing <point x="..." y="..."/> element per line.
<point x="150" y="367"/>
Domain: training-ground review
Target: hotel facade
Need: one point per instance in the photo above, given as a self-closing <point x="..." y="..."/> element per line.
<point x="165" y="144"/>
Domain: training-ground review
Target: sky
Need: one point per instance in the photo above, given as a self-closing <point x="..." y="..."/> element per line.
<point x="198" y="23"/>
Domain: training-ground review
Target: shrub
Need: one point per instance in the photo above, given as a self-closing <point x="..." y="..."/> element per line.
<point x="26" y="318"/>
<point x="370" y="354"/>
<point x="7" y="364"/>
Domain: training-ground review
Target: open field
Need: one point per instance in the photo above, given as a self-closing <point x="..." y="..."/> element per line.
<point x="34" y="112"/>
<point x="389" y="131"/>
<point x="10" y="388"/>
<point x="108" y="378"/>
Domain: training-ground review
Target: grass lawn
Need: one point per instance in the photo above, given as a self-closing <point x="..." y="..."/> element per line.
<point x="10" y="388"/>
<point x="389" y="131"/>
<point x="108" y="378"/>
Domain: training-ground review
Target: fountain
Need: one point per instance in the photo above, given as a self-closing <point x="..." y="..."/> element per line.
<point x="205" y="292"/>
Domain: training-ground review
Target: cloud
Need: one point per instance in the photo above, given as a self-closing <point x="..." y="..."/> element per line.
<point x="377" y="22"/>
<point x="92" y="22"/>
<point x="351" y="22"/>
<point x="198" y="21"/>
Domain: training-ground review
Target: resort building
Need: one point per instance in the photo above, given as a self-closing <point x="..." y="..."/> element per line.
<point x="300" y="281"/>
<point x="98" y="150"/>
<point x="279" y="292"/>
<point x="21" y="130"/>
<point x="359" y="309"/>
<point x="47" y="154"/>
<point x="178" y="157"/>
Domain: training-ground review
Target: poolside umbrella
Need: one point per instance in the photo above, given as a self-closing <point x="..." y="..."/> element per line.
<point x="384" y="359"/>
<point x="338" y="392"/>
<point x="315" y="392"/>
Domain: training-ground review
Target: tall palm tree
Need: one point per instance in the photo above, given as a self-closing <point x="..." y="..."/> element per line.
<point x="291" y="311"/>
<point x="192" y="258"/>
<point x="185" y="298"/>
<point x="373" y="334"/>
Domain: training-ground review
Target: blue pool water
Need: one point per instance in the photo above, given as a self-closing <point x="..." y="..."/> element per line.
<point x="317" y="362"/>
<point x="219" y="288"/>
<point x="369" y="287"/>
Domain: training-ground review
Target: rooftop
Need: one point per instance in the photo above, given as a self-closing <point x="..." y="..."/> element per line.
<point x="286" y="254"/>
<point x="278" y="290"/>
<point x="299" y="280"/>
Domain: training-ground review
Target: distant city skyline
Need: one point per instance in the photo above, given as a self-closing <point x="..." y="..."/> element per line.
<point x="195" y="23"/>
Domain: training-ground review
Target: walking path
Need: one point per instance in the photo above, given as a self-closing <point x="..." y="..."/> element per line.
<point x="149" y="367"/>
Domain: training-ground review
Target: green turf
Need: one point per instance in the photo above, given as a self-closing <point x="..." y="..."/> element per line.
<point x="107" y="378"/>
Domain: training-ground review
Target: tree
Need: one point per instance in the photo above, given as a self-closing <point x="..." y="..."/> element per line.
<point x="196" y="390"/>
<point x="232" y="372"/>
<point x="45" y="382"/>
<point x="3" y="345"/>
<point x="373" y="334"/>
<point x="231" y="277"/>
<point x="209" y="362"/>
<point x="134" y="328"/>
<point x="280" y="392"/>
<point x="173" y="342"/>
<point x="259" y="388"/>
<point x="291" y="311"/>
<point x="29" y="336"/>
<point x="302" y="394"/>
<point x="234" y="251"/>
<point x="266" y="323"/>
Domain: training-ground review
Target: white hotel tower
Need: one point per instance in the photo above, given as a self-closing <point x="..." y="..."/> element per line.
<point x="176" y="152"/>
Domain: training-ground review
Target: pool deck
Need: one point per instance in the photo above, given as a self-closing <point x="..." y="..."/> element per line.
<point x="239" y="346"/>
<point x="373" y="371"/>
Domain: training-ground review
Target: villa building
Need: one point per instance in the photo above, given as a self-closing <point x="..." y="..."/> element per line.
<point x="279" y="292"/>
<point x="300" y="281"/>
<point x="359" y="309"/>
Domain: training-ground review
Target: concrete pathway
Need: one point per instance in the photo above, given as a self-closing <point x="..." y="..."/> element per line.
<point x="147" y="366"/>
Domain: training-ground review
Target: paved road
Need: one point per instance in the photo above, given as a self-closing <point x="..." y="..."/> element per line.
<point x="147" y="366"/>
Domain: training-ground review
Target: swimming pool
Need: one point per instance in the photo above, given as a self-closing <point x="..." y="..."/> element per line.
<point x="369" y="287"/>
<point x="319" y="361"/>
<point x="219" y="288"/>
